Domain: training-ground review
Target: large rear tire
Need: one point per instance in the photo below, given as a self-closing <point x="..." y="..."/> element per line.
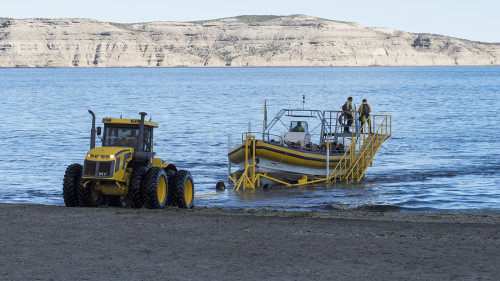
<point x="155" y="189"/>
<point x="170" y="178"/>
<point x="135" y="187"/>
<point x="72" y="182"/>
<point x="183" y="190"/>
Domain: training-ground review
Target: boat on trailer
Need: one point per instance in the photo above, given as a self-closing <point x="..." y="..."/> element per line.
<point x="301" y="146"/>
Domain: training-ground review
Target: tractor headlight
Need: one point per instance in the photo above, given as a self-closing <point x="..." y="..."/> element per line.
<point x="112" y="156"/>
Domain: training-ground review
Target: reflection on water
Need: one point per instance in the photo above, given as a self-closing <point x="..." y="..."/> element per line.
<point x="443" y="155"/>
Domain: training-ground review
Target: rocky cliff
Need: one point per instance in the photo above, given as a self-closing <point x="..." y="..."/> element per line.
<point x="296" y="40"/>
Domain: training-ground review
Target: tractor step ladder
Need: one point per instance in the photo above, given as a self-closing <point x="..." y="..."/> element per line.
<point x="362" y="150"/>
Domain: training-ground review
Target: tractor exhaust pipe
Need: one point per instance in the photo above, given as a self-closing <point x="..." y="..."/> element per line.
<point x="92" y="131"/>
<point x="141" y="132"/>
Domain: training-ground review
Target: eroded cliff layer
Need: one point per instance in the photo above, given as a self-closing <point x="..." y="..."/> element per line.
<point x="241" y="41"/>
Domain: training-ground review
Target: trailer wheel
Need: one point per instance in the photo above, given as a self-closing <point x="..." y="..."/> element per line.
<point x="183" y="190"/>
<point x="71" y="183"/>
<point x="155" y="189"/>
<point x="88" y="196"/>
<point x="134" y="197"/>
<point x="220" y="186"/>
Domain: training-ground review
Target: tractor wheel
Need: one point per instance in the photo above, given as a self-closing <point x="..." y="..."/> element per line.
<point x="183" y="190"/>
<point x="155" y="189"/>
<point x="88" y="196"/>
<point x="170" y="178"/>
<point x="72" y="182"/>
<point x="135" y="187"/>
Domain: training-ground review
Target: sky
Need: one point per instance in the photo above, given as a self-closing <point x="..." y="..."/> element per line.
<point x="476" y="20"/>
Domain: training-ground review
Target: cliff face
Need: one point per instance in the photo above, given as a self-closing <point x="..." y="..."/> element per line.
<point x="241" y="41"/>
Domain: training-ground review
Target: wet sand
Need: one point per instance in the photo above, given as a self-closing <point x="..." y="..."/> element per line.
<point x="57" y="243"/>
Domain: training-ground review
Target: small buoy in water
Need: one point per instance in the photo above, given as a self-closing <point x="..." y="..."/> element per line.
<point x="220" y="186"/>
<point x="266" y="186"/>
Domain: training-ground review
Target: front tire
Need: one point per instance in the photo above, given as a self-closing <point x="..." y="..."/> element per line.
<point x="71" y="184"/>
<point x="183" y="190"/>
<point x="88" y="196"/>
<point x="155" y="189"/>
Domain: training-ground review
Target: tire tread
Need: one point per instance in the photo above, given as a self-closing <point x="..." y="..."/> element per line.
<point x="178" y="189"/>
<point x="71" y="183"/>
<point x="150" y="194"/>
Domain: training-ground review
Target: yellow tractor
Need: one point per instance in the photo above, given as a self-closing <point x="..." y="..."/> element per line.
<point x="124" y="171"/>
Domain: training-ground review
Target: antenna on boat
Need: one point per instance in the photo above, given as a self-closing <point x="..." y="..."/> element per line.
<point x="264" y="125"/>
<point x="303" y="101"/>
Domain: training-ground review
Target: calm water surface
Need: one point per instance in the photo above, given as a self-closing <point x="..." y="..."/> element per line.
<point x="443" y="155"/>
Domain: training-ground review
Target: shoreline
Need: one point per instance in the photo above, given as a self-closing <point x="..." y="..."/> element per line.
<point x="55" y="242"/>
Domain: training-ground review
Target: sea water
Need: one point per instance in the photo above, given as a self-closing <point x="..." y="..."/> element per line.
<point x="443" y="155"/>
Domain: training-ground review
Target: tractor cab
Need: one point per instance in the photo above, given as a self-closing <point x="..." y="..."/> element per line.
<point x="125" y="133"/>
<point x="120" y="145"/>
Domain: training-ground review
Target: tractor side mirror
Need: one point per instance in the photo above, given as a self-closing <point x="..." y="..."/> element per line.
<point x="99" y="131"/>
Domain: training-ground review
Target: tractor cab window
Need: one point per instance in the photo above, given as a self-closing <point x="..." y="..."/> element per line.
<point x="147" y="141"/>
<point x="299" y="126"/>
<point x="120" y="136"/>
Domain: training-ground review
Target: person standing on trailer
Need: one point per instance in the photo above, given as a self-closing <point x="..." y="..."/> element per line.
<point x="364" y="111"/>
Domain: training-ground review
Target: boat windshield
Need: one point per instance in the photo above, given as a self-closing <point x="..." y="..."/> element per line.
<point x="299" y="126"/>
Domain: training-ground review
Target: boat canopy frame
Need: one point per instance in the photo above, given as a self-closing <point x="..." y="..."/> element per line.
<point x="331" y="128"/>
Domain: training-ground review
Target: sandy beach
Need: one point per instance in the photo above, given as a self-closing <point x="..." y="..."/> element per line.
<point x="58" y="243"/>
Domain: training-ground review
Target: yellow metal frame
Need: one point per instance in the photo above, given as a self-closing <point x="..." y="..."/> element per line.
<point x="248" y="178"/>
<point x="351" y="167"/>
